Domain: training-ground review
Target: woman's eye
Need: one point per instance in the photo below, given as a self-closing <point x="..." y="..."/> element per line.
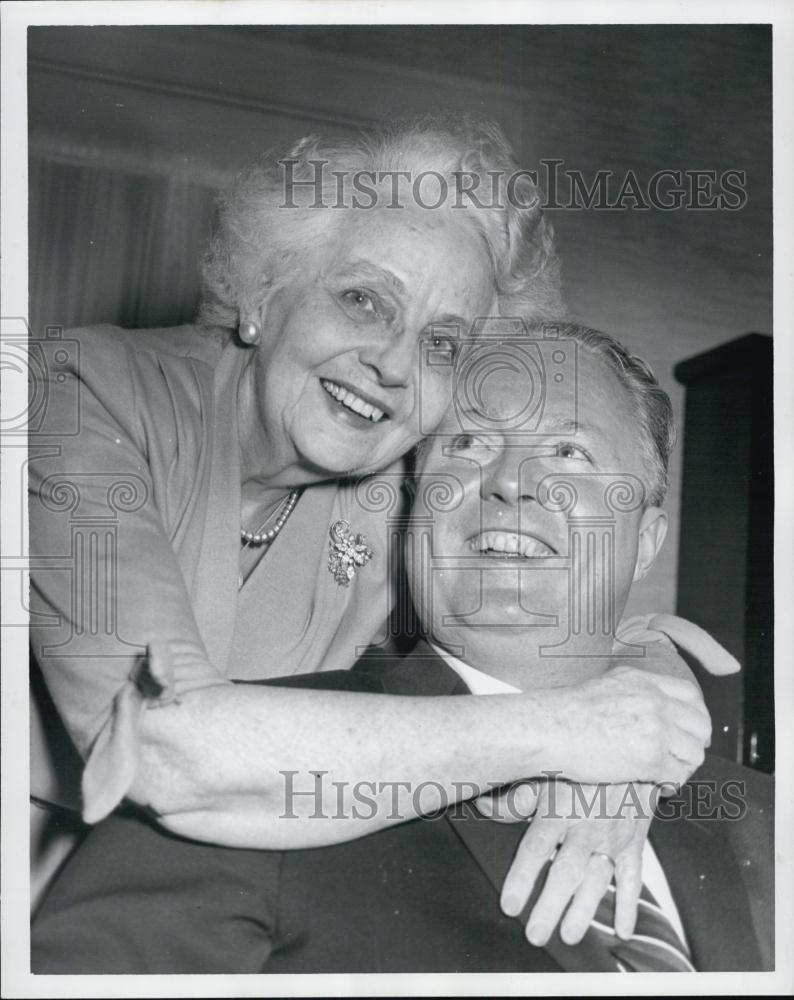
<point x="360" y="301"/>
<point x="568" y="450"/>
<point x="465" y="442"/>
<point x="443" y="346"/>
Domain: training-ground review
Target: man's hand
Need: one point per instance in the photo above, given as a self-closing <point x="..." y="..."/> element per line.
<point x="601" y="830"/>
<point x="630" y="725"/>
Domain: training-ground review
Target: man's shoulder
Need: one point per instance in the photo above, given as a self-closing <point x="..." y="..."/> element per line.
<point x="756" y="788"/>
<point x="728" y="810"/>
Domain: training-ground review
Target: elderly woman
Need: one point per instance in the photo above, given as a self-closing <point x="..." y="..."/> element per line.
<point x="216" y="466"/>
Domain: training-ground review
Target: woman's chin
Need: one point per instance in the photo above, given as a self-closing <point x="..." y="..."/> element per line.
<point x="348" y="455"/>
<point x="338" y="462"/>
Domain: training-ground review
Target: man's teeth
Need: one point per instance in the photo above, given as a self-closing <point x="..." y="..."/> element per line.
<point x="510" y="544"/>
<point x="352" y="401"/>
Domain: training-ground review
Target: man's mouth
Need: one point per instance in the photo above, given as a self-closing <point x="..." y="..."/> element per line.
<point x="510" y="545"/>
<point x="353" y="402"/>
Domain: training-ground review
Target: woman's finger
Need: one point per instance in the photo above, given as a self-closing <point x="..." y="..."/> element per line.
<point x="585" y="902"/>
<point x="688" y="749"/>
<point x="693" y="719"/>
<point x="696" y="641"/>
<point x="677" y="688"/>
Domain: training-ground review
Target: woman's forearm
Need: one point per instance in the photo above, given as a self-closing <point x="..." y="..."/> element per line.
<point x="276" y="767"/>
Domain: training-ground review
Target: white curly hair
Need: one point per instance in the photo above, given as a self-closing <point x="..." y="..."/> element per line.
<point x="258" y="241"/>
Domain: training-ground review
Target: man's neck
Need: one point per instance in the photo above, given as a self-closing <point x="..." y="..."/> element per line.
<point x="521" y="666"/>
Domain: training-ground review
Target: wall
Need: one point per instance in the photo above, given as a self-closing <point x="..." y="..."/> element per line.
<point x="132" y="130"/>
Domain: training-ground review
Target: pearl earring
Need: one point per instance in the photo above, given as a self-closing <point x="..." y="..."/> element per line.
<point x="249" y="333"/>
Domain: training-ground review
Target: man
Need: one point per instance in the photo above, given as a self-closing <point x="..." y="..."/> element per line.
<point x="527" y="532"/>
<point x="526" y="537"/>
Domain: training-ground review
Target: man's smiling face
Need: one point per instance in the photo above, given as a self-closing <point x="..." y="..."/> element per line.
<point x="511" y="563"/>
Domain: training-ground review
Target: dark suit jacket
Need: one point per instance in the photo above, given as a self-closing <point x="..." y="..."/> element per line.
<point x="423" y="896"/>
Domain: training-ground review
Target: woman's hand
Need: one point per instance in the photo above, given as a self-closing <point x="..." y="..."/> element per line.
<point x="592" y="832"/>
<point x="629" y="724"/>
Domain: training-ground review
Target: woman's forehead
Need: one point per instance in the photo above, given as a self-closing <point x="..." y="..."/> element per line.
<point x="383" y="226"/>
<point x="407" y="246"/>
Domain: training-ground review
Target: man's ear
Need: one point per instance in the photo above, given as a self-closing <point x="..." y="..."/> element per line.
<point x="653" y="531"/>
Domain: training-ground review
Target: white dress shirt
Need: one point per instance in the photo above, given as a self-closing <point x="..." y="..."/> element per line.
<point x="652" y="874"/>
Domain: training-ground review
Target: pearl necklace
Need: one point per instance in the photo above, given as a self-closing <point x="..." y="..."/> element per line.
<point x="260" y="537"/>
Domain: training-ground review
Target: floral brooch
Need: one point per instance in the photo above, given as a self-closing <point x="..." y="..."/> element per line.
<point x="346" y="553"/>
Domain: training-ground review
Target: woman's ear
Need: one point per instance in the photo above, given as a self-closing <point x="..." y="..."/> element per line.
<point x="249" y="332"/>
<point x="653" y="531"/>
<point x="252" y="310"/>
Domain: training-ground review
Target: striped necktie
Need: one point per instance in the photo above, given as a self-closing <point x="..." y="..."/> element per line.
<point x="654" y="947"/>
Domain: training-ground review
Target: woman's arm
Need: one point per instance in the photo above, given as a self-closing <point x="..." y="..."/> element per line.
<point x="268" y="767"/>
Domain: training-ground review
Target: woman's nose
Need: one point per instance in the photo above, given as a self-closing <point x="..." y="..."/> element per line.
<point x="509" y="479"/>
<point x="392" y="361"/>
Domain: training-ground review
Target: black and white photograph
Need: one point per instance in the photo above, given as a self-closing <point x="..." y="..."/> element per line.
<point x="396" y="503"/>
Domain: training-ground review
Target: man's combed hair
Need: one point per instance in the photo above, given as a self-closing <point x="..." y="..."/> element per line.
<point x="653" y="408"/>
<point x="258" y="242"/>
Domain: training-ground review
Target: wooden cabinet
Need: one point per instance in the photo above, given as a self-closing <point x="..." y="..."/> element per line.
<point x="725" y="569"/>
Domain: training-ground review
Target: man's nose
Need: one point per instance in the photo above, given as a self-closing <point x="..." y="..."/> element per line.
<point x="509" y="478"/>
<point x="392" y="361"/>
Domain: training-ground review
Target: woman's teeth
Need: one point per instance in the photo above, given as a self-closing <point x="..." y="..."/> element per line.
<point x="510" y="544"/>
<point x="352" y="401"/>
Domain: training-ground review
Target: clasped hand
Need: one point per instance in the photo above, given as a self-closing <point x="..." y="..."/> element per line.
<point x="632" y="726"/>
<point x="597" y="832"/>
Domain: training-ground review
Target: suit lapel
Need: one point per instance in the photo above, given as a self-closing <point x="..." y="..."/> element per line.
<point x="704" y="879"/>
<point x="493" y="846"/>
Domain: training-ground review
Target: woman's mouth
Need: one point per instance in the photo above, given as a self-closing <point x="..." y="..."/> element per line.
<point x="510" y="545"/>
<point x="352" y="402"/>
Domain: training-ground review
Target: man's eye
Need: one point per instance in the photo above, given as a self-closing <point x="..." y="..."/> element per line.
<point x="568" y="450"/>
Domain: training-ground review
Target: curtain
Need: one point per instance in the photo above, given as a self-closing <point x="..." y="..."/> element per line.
<point x="110" y="246"/>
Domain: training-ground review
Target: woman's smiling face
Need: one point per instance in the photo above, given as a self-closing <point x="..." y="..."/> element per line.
<point x="338" y="387"/>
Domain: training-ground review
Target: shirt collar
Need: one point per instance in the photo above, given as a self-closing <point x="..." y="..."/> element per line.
<point x="475" y="680"/>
